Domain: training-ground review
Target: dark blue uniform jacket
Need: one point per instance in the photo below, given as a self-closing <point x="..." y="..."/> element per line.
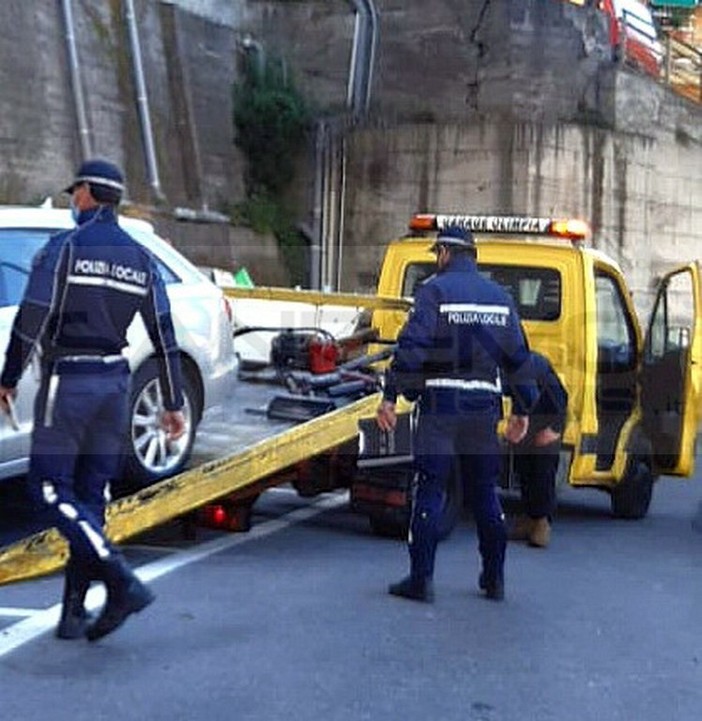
<point x="462" y="335"/>
<point x="85" y="287"/>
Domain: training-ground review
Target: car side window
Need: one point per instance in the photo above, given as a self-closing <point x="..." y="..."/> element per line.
<point x="167" y="275"/>
<point x="147" y="239"/>
<point x="17" y="248"/>
<point x="13" y="281"/>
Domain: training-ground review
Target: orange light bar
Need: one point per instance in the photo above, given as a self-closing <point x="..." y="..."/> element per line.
<point x="571" y="228"/>
<point x="566" y="228"/>
<point x="423" y="221"/>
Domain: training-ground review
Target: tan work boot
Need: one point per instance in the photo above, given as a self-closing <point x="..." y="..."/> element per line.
<point x="540" y="533"/>
<point x="521" y="530"/>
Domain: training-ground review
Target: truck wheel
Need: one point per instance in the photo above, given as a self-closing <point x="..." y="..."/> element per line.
<point x="631" y="497"/>
<point x="149" y="457"/>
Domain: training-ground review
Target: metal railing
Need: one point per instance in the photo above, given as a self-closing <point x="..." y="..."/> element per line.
<point x="682" y="68"/>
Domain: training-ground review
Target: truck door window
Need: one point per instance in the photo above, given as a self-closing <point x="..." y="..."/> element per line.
<point x="672" y="320"/>
<point x="667" y="379"/>
<point x="536" y="291"/>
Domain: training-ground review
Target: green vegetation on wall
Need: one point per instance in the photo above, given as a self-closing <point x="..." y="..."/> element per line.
<point x="271" y="120"/>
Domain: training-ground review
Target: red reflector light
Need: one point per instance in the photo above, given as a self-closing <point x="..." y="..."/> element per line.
<point x="215" y="515"/>
<point x="229" y="516"/>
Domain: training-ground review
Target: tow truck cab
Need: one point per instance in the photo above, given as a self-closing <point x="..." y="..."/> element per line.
<point x="633" y="398"/>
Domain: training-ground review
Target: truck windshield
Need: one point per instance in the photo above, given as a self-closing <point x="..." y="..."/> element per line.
<point x="536" y="291"/>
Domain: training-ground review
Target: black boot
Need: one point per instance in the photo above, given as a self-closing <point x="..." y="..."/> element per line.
<point x="126" y="594"/>
<point x="494" y="588"/>
<point x="74" y="618"/>
<point x="413" y="589"/>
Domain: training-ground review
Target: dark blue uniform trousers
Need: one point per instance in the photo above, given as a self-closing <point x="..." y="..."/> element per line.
<point x="470" y="439"/>
<point x="80" y="421"/>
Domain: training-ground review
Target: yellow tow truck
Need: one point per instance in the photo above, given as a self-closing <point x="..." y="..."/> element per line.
<point x="634" y="398"/>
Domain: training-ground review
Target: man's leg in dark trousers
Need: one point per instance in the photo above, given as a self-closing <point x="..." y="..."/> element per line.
<point x="481" y="474"/>
<point x="56" y="446"/>
<point x="480" y="471"/>
<point x="86" y="417"/>
<point x="539" y="493"/>
<point x="537" y="469"/>
<point x="54" y="455"/>
<point x="96" y="467"/>
<point x="434" y="461"/>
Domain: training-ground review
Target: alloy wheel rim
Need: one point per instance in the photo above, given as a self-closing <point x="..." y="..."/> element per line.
<point x="155" y="452"/>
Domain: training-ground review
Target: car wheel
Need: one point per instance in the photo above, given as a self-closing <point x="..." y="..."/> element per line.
<point x="149" y="456"/>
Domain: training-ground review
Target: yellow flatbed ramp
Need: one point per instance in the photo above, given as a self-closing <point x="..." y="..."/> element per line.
<point x="259" y="448"/>
<point x="46" y="551"/>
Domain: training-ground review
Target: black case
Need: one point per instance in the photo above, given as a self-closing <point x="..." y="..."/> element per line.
<point x="385" y="448"/>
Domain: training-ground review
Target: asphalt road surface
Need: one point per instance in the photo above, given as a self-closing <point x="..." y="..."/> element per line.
<point x="292" y="621"/>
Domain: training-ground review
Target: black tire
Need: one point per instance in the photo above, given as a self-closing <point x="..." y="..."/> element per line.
<point x="631" y="497"/>
<point x="148" y="458"/>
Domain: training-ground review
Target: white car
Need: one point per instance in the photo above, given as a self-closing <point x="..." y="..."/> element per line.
<point x="257" y="323"/>
<point x="203" y="329"/>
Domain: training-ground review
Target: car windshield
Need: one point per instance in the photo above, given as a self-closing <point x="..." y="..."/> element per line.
<point x="535" y="291"/>
<point x="17" y="248"/>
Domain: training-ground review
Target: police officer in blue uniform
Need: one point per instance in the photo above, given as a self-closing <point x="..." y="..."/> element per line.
<point x="461" y="337"/>
<point x="84" y="289"/>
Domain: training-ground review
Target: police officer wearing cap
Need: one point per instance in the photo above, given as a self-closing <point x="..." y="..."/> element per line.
<point x="462" y="335"/>
<point x="84" y="289"/>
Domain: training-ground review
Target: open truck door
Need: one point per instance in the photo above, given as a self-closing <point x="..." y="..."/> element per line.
<point x="671" y="372"/>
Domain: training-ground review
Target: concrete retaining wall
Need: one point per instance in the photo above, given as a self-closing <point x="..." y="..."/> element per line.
<point x="495" y="105"/>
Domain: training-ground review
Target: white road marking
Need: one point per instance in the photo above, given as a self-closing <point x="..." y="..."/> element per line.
<point x="39" y="622"/>
<point x="8" y="612"/>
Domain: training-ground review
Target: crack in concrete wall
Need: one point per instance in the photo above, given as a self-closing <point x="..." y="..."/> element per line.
<point x="472" y="98"/>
